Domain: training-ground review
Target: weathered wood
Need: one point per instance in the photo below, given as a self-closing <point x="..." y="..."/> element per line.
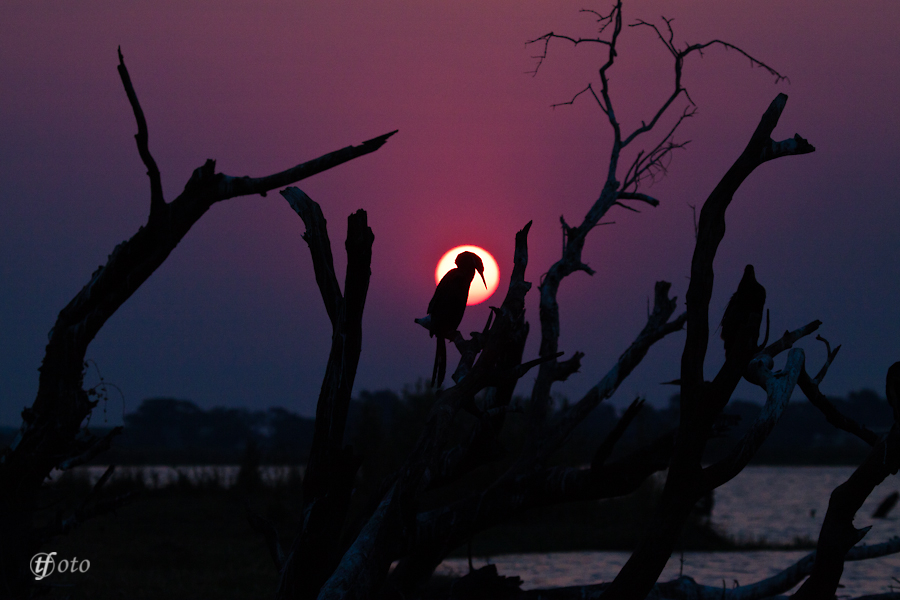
<point x="332" y="467"/>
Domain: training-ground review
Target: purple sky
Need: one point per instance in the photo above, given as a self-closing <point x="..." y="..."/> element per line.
<point x="234" y="318"/>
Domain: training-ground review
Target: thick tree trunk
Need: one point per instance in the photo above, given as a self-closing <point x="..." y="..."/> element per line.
<point x="332" y="467"/>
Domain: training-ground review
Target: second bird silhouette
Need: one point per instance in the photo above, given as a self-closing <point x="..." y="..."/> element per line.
<point x="743" y="315"/>
<point x="448" y="305"/>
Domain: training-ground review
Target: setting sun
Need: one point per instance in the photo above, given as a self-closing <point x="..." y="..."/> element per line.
<point x="477" y="293"/>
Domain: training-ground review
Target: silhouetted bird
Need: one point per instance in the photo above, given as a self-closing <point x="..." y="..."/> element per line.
<point x="743" y="315"/>
<point x="448" y="305"/>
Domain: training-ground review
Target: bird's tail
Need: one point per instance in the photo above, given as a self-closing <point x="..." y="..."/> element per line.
<point x="440" y="362"/>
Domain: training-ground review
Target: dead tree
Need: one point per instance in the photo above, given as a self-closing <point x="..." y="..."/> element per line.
<point x="527" y="484"/>
<point x="332" y="467"/>
<point x="491" y="360"/>
<point x="52" y="434"/>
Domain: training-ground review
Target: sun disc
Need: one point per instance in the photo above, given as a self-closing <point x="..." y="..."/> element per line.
<point x="477" y="291"/>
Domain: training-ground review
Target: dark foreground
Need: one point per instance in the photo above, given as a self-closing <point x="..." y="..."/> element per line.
<point x="189" y="542"/>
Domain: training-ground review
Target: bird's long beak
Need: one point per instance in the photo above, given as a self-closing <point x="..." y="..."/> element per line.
<point x="482" y="279"/>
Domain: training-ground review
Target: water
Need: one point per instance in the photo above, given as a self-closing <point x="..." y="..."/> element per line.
<point x="561" y="569"/>
<point x="780" y="504"/>
<point x="761" y="503"/>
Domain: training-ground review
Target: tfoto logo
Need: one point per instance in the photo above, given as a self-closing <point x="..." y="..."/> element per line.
<point x="43" y="565"/>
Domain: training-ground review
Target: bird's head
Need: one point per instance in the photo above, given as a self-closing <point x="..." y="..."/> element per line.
<point x="749" y="272"/>
<point x="470" y="260"/>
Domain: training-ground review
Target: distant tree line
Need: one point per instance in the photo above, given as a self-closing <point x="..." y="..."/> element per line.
<point x="384" y="424"/>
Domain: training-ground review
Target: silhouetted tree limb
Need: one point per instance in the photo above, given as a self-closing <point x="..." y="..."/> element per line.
<point x="658" y="326"/>
<point x="779" y="387"/>
<point x="811" y="390"/>
<point x="787" y="341"/>
<point x="157" y="202"/>
<point x="701" y="401"/>
<point x="441" y="530"/>
<point x="51" y="433"/>
<point x="685" y="588"/>
<point x="366" y="563"/>
<point x="331" y="468"/>
<point x="838" y="535"/>
<point x="830" y="355"/>
<point x="545" y="434"/>
<point x="644" y="165"/>
<point x="481" y="445"/>
<point x="604" y="450"/>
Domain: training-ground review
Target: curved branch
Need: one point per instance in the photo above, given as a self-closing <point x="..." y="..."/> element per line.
<point x="229" y="187"/>
<point x="156" y="194"/>
<point x="658" y="326"/>
<point x="779" y="387"/>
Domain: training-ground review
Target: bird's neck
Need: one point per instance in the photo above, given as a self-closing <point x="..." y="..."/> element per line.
<point x="468" y="273"/>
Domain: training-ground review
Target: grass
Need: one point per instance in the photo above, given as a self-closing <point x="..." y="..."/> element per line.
<point x="172" y="544"/>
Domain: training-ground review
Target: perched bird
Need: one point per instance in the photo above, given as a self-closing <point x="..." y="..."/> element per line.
<point x="448" y="305"/>
<point x="743" y="315"/>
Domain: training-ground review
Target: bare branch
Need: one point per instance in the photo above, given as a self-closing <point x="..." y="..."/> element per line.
<point x="794" y="574"/>
<point x="267" y="529"/>
<point x="331" y="468"/>
<point x="230" y="187"/>
<point x="450" y="525"/>
<point x="779" y="387"/>
<point x="647" y="165"/>
<point x="712" y="230"/>
<point x="622" y="195"/>
<point x="609" y="442"/>
<point x="316" y="237"/>
<point x="830" y="356"/>
<point x="679" y="56"/>
<point x="156" y="194"/>
<point x="603" y="20"/>
<point x="810" y="389"/>
<point x="589" y="88"/>
<point x="838" y="534"/>
<point x="657" y="327"/>
<point x="685" y="587"/>
<point x="790" y="338"/>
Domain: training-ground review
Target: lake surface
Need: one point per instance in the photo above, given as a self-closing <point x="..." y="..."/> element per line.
<point x="776" y="504"/>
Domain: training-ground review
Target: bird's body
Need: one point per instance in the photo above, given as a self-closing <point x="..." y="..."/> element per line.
<point x="448" y="305"/>
<point x="743" y="315"/>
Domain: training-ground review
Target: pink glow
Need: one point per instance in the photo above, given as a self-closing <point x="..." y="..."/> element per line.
<point x="234" y="315"/>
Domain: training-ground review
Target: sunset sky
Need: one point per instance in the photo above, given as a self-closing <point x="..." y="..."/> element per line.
<point x="234" y="317"/>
